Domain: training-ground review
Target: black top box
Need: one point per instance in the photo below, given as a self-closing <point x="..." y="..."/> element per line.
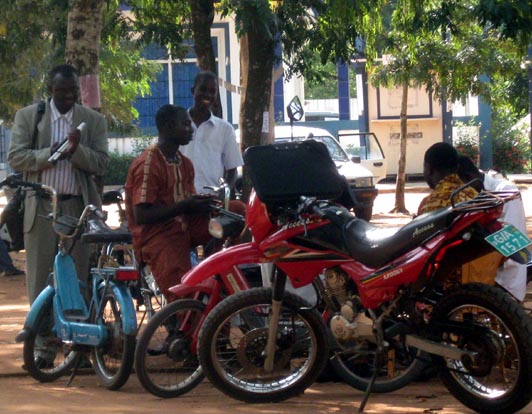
<point x="283" y="172"/>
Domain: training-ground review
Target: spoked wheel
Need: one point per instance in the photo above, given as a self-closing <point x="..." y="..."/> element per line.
<point x="497" y="377"/>
<point x="398" y="366"/>
<point x="165" y="358"/>
<point x="46" y="356"/>
<point x="114" y="360"/>
<point x="233" y="340"/>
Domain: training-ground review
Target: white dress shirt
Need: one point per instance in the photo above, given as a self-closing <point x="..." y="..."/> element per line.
<point x="213" y="150"/>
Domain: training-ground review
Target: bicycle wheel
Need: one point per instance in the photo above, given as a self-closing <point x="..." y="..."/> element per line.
<point x="46" y="356"/>
<point x="165" y="358"/>
<point x="233" y="338"/>
<point x="113" y="360"/>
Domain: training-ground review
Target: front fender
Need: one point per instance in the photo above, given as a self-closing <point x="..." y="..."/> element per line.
<point x="221" y="261"/>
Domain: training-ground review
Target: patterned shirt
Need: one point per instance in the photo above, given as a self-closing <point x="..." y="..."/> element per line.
<point x="441" y="195"/>
<point x="152" y="179"/>
<point x="61" y="176"/>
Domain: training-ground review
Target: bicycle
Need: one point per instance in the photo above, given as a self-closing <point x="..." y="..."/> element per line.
<point x="62" y="325"/>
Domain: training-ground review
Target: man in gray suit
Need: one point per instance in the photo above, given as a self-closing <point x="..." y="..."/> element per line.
<point x="71" y="176"/>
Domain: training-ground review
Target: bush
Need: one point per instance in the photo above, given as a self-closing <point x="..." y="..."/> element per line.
<point x="466" y="140"/>
<point x="511" y="149"/>
<point x="116" y="173"/>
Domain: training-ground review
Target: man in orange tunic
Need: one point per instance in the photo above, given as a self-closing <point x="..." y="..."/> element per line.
<point x="165" y="216"/>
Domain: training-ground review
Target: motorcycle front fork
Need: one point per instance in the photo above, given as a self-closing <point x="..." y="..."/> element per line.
<point x="278" y="288"/>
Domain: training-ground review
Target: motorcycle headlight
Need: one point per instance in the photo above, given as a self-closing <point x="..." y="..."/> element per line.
<point x="224" y="226"/>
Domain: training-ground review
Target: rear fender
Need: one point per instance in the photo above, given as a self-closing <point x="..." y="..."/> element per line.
<point x="221" y="261"/>
<point x="129" y="316"/>
<point x="41" y="304"/>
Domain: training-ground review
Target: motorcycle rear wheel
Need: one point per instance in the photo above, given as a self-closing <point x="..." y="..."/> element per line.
<point x="232" y="341"/>
<point x="501" y="378"/>
<point x="165" y="361"/>
<point x="113" y="361"/>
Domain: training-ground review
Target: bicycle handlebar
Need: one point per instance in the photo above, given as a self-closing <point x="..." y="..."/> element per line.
<point x="13" y="180"/>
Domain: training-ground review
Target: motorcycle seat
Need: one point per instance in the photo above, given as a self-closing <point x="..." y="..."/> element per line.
<point x="99" y="232"/>
<point x="375" y="246"/>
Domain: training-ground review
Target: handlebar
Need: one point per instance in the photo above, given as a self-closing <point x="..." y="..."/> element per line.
<point x="64" y="228"/>
<point x="223" y="191"/>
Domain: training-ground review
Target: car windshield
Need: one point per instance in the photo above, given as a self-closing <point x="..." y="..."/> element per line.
<point x="335" y="150"/>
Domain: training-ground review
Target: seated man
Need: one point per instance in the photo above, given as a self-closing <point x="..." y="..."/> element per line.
<point x="166" y="218"/>
<point x="440" y="169"/>
<point x="511" y="275"/>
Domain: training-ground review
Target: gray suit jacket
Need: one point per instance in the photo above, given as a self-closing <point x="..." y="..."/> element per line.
<point x="91" y="156"/>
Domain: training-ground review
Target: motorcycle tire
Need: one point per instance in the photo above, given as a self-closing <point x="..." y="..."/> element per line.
<point x="165" y="359"/>
<point x="232" y="341"/>
<point x="113" y="361"/>
<point x="500" y="379"/>
<point x="59" y="358"/>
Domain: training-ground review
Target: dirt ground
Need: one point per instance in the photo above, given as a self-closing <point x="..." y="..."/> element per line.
<point x="21" y="394"/>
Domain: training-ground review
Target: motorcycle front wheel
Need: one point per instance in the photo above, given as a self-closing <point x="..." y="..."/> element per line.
<point x="46" y="356"/>
<point x="165" y="359"/>
<point x="498" y="330"/>
<point x="232" y="347"/>
<point x="113" y="361"/>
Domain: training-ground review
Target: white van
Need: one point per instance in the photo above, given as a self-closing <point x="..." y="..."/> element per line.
<point x="360" y="179"/>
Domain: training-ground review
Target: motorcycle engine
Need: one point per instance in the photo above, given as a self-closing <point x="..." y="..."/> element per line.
<point x="350" y="324"/>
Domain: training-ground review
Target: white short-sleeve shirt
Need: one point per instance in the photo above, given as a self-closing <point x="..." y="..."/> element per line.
<point x="213" y="150"/>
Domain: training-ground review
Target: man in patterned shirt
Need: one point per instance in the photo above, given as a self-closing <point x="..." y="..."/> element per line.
<point x="164" y="214"/>
<point x="440" y="168"/>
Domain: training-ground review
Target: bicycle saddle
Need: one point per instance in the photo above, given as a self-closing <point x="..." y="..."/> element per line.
<point x="99" y="232"/>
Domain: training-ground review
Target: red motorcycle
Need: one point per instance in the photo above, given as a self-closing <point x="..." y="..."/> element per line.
<point x="391" y="300"/>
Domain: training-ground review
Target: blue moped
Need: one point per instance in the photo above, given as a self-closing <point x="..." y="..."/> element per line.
<point x="62" y="324"/>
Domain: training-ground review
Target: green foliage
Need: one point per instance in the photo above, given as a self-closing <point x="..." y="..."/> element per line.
<point x="32" y="41"/>
<point x="326" y="86"/>
<point x="116" y="173"/>
<point x="511" y="145"/>
<point x="467" y="140"/>
<point x="163" y="22"/>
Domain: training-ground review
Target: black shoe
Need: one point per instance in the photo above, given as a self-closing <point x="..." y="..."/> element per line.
<point x="13" y="272"/>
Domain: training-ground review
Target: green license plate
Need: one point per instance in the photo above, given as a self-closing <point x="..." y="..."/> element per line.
<point x="508" y="240"/>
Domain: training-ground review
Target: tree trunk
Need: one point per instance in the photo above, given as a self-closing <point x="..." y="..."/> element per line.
<point x="401" y="175"/>
<point x="256" y="68"/>
<point x="202" y="12"/>
<point x="82" y="47"/>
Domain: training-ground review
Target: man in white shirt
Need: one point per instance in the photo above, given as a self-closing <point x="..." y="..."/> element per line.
<point x="511" y="275"/>
<point x="213" y="150"/>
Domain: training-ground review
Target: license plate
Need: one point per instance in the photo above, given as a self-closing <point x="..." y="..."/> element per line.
<point x="508" y="240"/>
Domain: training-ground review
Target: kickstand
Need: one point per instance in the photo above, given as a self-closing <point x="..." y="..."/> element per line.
<point x="371" y="381"/>
<point x="77" y="362"/>
<point x="376" y="366"/>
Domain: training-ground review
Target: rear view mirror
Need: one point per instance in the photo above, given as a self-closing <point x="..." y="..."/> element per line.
<point x="295" y="109"/>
